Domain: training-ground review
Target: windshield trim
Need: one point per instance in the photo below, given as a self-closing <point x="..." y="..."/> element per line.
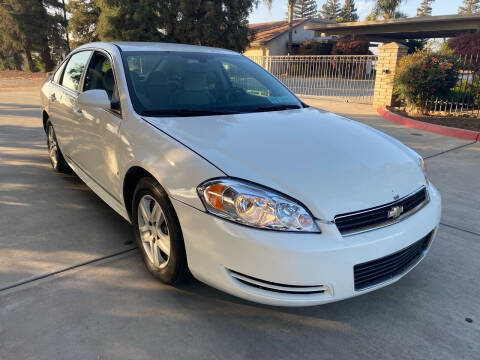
<point x="207" y="112"/>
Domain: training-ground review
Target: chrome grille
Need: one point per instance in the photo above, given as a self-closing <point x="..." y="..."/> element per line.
<point x="374" y="272"/>
<point x="380" y="216"/>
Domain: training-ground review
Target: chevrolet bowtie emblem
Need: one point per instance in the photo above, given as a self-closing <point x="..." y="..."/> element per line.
<point x="394" y="212"/>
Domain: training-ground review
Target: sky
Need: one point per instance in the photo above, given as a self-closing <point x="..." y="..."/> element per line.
<point x="279" y="9"/>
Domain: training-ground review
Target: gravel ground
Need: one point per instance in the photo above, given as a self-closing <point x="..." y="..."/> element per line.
<point x="20" y="80"/>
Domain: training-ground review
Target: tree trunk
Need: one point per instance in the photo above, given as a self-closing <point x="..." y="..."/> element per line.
<point x="65" y="25"/>
<point x="18" y="60"/>
<point x="290" y="27"/>
<point x="28" y="55"/>
<point x="46" y="57"/>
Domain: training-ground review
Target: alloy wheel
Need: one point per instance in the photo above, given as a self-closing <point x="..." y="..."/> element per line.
<point x="52" y="147"/>
<point x="153" y="229"/>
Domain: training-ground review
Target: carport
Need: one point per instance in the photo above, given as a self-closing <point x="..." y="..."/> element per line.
<point x="395" y="30"/>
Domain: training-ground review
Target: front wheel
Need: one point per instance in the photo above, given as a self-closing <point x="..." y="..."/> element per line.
<point x="56" y="157"/>
<point x="158" y="233"/>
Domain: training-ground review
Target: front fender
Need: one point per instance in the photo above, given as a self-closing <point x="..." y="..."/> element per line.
<point x="177" y="169"/>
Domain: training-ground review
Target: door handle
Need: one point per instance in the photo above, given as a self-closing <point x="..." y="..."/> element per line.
<point x="78" y="111"/>
<point x="52" y="97"/>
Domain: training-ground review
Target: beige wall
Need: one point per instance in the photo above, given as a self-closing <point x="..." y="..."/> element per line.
<point x="278" y="46"/>
<point x="256" y="51"/>
<point x="389" y="56"/>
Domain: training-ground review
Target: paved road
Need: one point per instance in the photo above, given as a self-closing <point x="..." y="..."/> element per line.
<point x="112" y="309"/>
<point x="359" y="91"/>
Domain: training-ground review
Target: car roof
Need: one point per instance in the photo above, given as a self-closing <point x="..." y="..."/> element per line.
<point x="157" y="46"/>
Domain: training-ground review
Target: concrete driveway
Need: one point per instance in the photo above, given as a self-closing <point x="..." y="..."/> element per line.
<point x="72" y="286"/>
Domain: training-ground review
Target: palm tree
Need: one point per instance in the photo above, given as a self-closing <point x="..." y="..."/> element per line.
<point x="291" y="3"/>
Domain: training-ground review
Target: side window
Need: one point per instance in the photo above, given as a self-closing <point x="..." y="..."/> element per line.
<point x="74" y="69"/>
<point x="100" y="75"/>
<point x="58" y="73"/>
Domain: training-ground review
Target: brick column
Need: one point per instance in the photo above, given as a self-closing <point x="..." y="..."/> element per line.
<point x="389" y="56"/>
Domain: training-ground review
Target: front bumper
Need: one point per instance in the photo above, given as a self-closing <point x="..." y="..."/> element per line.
<point x="290" y="264"/>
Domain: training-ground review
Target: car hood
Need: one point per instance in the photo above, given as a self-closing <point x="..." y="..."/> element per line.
<point x="331" y="164"/>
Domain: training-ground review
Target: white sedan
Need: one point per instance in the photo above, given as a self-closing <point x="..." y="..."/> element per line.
<point x="227" y="175"/>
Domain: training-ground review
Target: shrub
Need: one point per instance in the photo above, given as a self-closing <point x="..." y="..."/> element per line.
<point x="466" y="44"/>
<point x="467" y="92"/>
<point x="351" y="47"/>
<point x="424" y="75"/>
<point x="314" y="48"/>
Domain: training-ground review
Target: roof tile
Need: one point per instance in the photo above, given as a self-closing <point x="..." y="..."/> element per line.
<point x="267" y="31"/>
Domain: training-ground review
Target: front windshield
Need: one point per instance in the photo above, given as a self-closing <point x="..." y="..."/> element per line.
<point x="171" y="83"/>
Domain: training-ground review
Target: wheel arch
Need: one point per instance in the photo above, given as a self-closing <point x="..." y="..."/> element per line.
<point x="130" y="181"/>
<point x="45" y="118"/>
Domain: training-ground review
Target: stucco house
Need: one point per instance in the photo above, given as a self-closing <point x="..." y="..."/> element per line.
<point x="271" y="37"/>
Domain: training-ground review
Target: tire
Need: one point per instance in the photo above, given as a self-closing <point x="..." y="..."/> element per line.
<point x="158" y="233"/>
<point x="54" y="153"/>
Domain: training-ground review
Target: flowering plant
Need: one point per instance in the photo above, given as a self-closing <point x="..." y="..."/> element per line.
<point x="425" y="75"/>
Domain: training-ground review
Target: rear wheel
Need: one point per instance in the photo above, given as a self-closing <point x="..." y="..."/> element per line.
<point x="158" y="232"/>
<point x="56" y="158"/>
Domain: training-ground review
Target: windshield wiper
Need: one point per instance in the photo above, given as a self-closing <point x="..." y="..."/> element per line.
<point x="274" y="108"/>
<point x="184" y="112"/>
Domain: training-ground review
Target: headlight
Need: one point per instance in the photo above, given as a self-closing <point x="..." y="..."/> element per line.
<point x="255" y="206"/>
<point x="422" y="165"/>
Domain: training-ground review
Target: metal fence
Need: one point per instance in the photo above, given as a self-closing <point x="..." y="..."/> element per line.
<point x="464" y="98"/>
<point x="343" y="77"/>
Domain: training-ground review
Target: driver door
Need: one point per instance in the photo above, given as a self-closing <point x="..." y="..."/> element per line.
<point x="98" y="128"/>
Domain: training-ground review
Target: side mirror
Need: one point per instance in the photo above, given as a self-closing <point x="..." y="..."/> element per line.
<point x="94" y="98"/>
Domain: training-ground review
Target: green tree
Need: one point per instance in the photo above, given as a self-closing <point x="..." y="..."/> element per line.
<point x="9" y="42"/>
<point x="469" y="7"/>
<point x="304" y="9"/>
<point x="83" y="21"/>
<point x="129" y="20"/>
<point x="219" y="23"/>
<point x="26" y="25"/>
<point x="57" y="41"/>
<point x="10" y="58"/>
<point x="331" y="10"/>
<point x="348" y="12"/>
<point x="386" y="9"/>
<point x="425" y="8"/>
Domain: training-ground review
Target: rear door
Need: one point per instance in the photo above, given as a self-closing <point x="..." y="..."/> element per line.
<point x="64" y="99"/>
<point x="98" y="128"/>
<point x="52" y="93"/>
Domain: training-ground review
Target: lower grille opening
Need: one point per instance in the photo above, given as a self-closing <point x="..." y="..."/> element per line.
<point x="276" y="287"/>
<point x="380" y="270"/>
